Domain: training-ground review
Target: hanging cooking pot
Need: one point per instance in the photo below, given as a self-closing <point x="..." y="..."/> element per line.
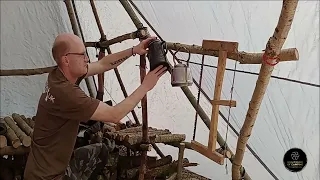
<point x="157" y="54"/>
<point x="181" y="73"/>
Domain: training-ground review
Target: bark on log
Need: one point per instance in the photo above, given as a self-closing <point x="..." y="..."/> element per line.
<point x="3" y="141"/>
<point x="273" y="48"/>
<point x="26" y="72"/>
<point x="290" y="54"/>
<point x="22" y="124"/>
<point x="108" y="128"/>
<point x="133" y="171"/>
<point x="180" y="161"/>
<point x="160" y="162"/>
<point x="30" y="122"/>
<point x="26" y="140"/>
<point x="115" y="40"/>
<point x="13" y="140"/>
<point x="157" y="138"/>
<point x="139" y="129"/>
<point x="167" y="169"/>
<point x="9" y="150"/>
<point x="177" y="144"/>
<point x="128" y="162"/>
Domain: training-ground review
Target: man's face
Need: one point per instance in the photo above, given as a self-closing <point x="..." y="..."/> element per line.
<point x="77" y="60"/>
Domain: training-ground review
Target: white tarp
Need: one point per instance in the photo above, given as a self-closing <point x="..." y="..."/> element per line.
<point x="289" y="114"/>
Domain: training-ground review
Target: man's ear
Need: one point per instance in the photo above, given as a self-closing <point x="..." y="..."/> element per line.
<point x="65" y="60"/>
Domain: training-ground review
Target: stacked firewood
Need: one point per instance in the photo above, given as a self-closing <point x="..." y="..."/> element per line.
<point x="15" y="140"/>
<point x="163" y="168"/>
<point x="15" y="134"/>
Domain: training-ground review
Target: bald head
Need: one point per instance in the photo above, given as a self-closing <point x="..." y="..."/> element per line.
<point x="63" y="44"/>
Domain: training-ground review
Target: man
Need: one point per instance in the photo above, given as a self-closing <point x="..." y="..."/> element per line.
<point x="64" y="105"/>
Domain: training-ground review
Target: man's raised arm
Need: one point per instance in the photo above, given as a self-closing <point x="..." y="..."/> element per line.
<point x="112" y="61"/>
<point x="115" y="113"/>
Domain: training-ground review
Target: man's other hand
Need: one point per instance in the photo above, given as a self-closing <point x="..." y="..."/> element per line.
<point x="142" y="46"/>
<point x="152" y="77"/>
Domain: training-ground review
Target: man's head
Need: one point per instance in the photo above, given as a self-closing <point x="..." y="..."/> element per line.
<point x="69" y="52"/>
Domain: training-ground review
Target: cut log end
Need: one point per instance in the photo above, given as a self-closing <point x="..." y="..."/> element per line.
<point x="26" y="141"/>
<point x="3" y="141"/>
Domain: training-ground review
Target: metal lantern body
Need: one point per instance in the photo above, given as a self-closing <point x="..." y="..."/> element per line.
<point x="181" y="76"/>
<point x="157" y="54"/>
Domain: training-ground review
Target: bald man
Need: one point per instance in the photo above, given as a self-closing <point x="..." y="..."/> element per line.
<point x="63" y="105"/>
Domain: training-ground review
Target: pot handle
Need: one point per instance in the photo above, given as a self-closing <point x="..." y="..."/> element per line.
<point x="175" y="57"/>
<point x="164" y="47"/>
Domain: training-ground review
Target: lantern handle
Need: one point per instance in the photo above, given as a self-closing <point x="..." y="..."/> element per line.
<point x="165" y="47"/>
<point x="175" y="57"/>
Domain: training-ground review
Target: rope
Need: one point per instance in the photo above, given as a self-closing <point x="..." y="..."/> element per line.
<point x="198" y="99"/>
<point x="253" y="73"/>
<point x="228" y="120"/>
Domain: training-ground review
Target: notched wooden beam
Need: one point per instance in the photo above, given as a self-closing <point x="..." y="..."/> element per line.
<point x="220" y="45"/>
<point x="230" y="103"/>
<point x="213" y="155"/>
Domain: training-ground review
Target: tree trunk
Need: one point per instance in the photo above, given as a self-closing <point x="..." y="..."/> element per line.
<point x="273" y="48"/>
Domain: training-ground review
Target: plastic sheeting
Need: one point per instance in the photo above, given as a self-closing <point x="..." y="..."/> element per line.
<point x="289" y="114"/>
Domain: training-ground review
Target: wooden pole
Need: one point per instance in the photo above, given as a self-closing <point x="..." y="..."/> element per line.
<point x="76" y="32"/>
<point x="243" y="57"/>
<point x="217" y="95"/>
<point x="273" y="48"/>
<point x="180" y="160"/>
<point x="290" y="54"/>
<point x="145" y="138"/>
<point x="100" y="92"/>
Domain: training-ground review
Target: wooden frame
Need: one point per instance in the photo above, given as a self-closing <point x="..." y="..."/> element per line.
<point x="224" y="47"/>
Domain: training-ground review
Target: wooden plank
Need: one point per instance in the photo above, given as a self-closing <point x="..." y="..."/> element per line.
<point x="213" y="155"/>
<point x="214" y="45"/>
<point x="231" y="103"/>
<point x="217" y="95"/>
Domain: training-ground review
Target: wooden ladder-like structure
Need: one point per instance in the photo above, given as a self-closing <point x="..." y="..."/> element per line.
<point x="224" y="47"/>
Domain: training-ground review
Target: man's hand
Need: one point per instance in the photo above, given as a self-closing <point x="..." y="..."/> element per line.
<point x="152" y="77"/>
<point x="142" y="46"/>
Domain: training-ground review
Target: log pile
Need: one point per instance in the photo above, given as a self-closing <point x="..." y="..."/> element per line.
<point x="133" y="136"/>
<point x="163" y="168"/>
<point x="15" y="134"/>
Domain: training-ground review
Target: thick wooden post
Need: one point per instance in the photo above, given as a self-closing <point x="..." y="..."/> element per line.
<point x="273" y="48"/>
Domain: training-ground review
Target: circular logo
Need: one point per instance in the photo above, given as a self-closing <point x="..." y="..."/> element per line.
<point x="295" y="160"/>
